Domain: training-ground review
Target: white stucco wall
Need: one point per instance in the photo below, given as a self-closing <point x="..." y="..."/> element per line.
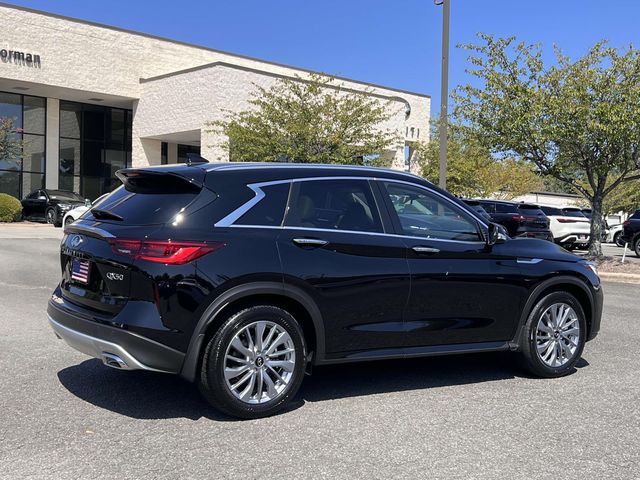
<point x="164" y="107"/>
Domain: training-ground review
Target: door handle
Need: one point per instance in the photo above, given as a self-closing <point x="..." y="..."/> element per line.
<point x="421" y="249"/>
<point x="309" y="242"/>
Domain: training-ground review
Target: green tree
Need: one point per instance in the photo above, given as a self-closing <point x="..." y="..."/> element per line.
<point x="471" y="169"/>
<point x="577" y="121"/>
<point x="10" y="144"/>
<point x="309" y="120"/>
<point x="625" y="198"/>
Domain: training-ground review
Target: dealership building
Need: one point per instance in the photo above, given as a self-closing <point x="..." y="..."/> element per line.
<point x="89" y="99"/>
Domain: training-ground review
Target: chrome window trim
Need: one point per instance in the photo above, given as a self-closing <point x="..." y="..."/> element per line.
<point x="245" y="207"/>
<point x="358" y="232"/>
<point x="231" y="218"/>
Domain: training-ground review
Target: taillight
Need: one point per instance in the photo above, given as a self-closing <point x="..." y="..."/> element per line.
<point x="163" y="251"/>
<point x="518" y="218"/>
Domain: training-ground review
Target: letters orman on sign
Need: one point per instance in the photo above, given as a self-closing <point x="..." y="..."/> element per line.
<point x="20" y="58"/>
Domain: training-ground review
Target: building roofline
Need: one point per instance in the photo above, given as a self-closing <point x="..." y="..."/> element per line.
<point x="201" y="47"/>
<point x="271" y="74"/>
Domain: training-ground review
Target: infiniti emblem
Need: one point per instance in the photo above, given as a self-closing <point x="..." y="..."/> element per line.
<point x="76" y="240"/>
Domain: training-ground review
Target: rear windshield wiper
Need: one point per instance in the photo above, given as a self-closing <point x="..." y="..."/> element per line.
<point x="106" y="214"/>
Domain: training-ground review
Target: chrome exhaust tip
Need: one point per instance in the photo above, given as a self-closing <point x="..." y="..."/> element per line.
<point x="113" y="361"/>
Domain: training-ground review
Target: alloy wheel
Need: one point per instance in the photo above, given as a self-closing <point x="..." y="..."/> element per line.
<point x="259" y="362"/>
<point x="50" y="216"/>
<point x="557" y="335"/>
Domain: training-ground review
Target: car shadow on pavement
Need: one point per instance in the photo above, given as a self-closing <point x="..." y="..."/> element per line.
<point x="149" y="395"/>
<point x="357" y="379"/>
<point x="136" y="394"/>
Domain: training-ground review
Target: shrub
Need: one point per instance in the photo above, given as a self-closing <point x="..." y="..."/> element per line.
<point x="10" y="208"/>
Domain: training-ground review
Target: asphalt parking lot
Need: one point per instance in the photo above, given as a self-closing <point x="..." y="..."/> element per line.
<point x="66" y="416"/>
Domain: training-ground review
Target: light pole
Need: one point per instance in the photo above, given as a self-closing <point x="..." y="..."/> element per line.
<point x="444" y="91"/>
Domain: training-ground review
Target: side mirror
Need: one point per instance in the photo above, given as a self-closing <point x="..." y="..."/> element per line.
<point x="496" y="234"/>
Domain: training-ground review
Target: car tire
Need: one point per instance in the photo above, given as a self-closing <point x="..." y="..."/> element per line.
<point x="617" y="239"/>
<point x="636" y="247"/>
<point x="50" y="216"/>
<point x="548" y="347"/>
<point x="69" y="220"/>
<point x="239" y="376"/>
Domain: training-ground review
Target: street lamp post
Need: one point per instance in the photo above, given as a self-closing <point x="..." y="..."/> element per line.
<point x="444" y="91"/>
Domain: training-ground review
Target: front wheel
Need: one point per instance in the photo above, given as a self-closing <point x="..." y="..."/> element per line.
<point x="553" y="337"/>
<point x="68" y="221"/>
<point x="50" y="216"/>
<point x="254" y="364"/>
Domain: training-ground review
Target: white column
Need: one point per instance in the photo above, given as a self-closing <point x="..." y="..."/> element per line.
<point x="52" y="143"/>
<point x="172" y="152"/>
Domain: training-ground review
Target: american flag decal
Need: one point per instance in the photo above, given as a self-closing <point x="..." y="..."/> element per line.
<point x="80" y="271"/>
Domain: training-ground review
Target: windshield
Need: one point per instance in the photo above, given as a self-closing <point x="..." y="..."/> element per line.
<point x="64" y="195"/>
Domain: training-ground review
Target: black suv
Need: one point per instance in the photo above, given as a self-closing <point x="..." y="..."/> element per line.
<point x="241" y="276"/>
<point x="520" y="219"/>
<point x="50" y="205"/>
<point x="631" y="232"/>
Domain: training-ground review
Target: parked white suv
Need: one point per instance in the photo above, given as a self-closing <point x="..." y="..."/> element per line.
<point x="569" y="226"/>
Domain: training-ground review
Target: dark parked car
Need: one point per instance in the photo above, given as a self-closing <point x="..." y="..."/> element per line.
<point x="631" y="232"/>
<point x="477" y="208"/>
<point x="520" y="219"/>
<point x="240" y="277"/>
<point x="49" y="206"/>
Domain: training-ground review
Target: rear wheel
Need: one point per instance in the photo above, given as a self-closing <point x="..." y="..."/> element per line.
<point x="554" y="335"/>
<point x="69" y="220"/>
<point x="636" y="247"/>
<point x="617" y="239"/>
<point x="254" y="364"/>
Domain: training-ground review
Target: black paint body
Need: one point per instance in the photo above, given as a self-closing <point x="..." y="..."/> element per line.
<point x="362" y="295"/>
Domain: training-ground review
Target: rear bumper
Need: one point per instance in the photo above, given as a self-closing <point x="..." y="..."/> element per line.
<point x="115" y="347"/>
<point x="573" y="238"/>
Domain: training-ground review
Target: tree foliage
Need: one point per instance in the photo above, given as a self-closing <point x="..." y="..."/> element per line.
<point x="577" y="121"/>
<point x="10" y="144"/>
<point x="312" y="120"/>
<point x="471" y="169"/>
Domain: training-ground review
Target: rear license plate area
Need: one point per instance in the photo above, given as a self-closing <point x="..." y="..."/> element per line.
<point x="80" y="270"/>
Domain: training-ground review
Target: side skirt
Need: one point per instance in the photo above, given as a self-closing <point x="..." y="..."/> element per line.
<point x="413" y="352"/>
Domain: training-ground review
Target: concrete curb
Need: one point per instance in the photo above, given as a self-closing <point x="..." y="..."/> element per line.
<point x="620" y="277"/>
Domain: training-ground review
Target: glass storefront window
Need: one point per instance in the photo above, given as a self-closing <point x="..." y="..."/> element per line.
<point x="95" y="142"/>
<point x="11" y="107"/>
<point x="33" y="153"/>
<point x="18" y="177"/>
<point x="34" y="115"/>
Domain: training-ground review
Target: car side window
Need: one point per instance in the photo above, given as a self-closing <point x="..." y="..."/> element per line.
<point x="506" y="208"/>
<point x="269" y="211"/>
<point x="422" y="214"/>
<point x="333" y="205"/>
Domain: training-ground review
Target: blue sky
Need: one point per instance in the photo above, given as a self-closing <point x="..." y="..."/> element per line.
<point x="391" y="42"/>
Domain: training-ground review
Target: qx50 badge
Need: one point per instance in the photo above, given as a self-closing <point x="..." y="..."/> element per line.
<point x="115" y="276"/>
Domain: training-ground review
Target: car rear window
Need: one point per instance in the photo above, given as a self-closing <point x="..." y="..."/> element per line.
<point x="527" y="209"/>
<point x="572" y="212"/>
<point x="506" y="208"/>
<point x="148" y="208"/>
<point x="551" y="211"/>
